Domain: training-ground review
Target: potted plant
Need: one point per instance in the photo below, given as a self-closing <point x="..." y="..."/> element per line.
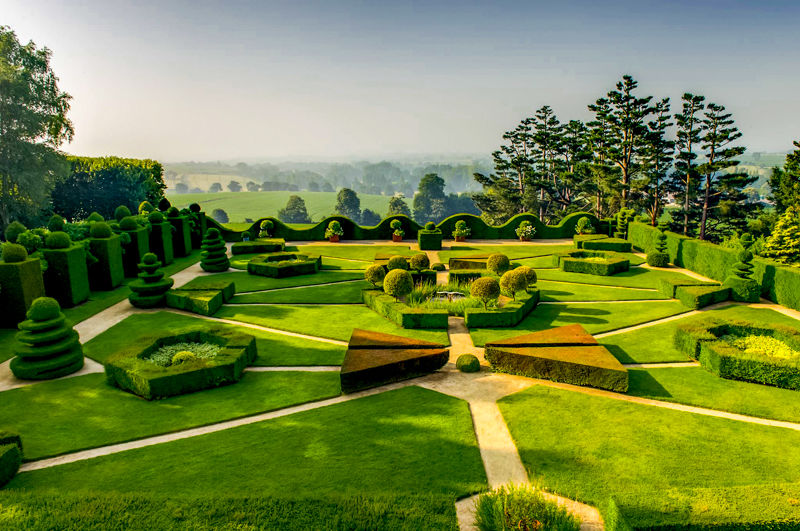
<point x="525" y="231"/>
<point x="334" y="231"/>
<point x="397" y="228"/>
<point x="461" y="232"/>
<point x="266" y="227"/>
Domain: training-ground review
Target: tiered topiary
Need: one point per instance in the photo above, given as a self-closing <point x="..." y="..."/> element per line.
<point x="397" y="262"/>
<point x="624" y="216"/>
<point x="485" y="289"/>
<point x="50" y="347"/>
<point x="397" y="230"/>
<point x="375" y="274"/>
<point x="743" y="287"/>
<point x="659" y="256"/>
<point x="498" y="263"/>
<point x="108" y="271"/>
<point x="67" y="275"/>
<point x="20" y="283"/>
<point x="513" y="281"/>
<point x="161" y="237"/>
<point x="214" y="257"/>
<point x="398" y="283"/>
<point x="181" y="232"/>
<point x="150" y="289"/>
<point x="199" y="225"/>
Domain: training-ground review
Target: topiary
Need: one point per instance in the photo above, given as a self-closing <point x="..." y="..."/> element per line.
<point x="419" y="262"/>
<point x="246" y="236"/>
<point x="657" y="259"/>
<point x="430" y="225"/>
<point x="150" y="259"/>
<point x="375" y="274"/>
<point x="265" y="228"/>
<point x="121" y="212"/>
<point x="398" y="283"/>
<point x="498" y="263"/>
<point x="529" y="273"/>
<point x="438" y="266"/>
<point x="397" y="262"/>
<point x="396" y="224"/>
<point x="57" y="240"/>
<point x="743" y="287"/>
<point x="334" y="229"/>
<point x="468" y="363"/>
<point x="149" y="290"/>
<point x="100" y="229"/>
<point x="214" y="254"/>
<point x="194" y="207"/>
<point x="584" y="226"/>
<point x="155" y="217"/>
<point x="145" y="207"/>
<point x="50" y="348"/>
<point x="173" y="212"/>
<point x="14" y="229"/>
<point x="13" y="253"/>
<point x="95" y="217"/>
<point x="31" y="241"/>
<point x="183" y="355"/>
<point x="513" y="281"/>
<point x="461" y="229"/>
<point x="56" y="223"/>
<point x="164" y="204"/>
<point x="485" y="289"/>
<point x="129" y="223"/>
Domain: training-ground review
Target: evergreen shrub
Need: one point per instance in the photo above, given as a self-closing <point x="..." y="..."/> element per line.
<point x="150" y="289"/>
<point x="498" y="263"/>
<point x="468" y="363"/>
<point x="214" y="255"/>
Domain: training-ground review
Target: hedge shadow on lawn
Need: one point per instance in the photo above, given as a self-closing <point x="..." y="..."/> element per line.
<point x="643" y="382"/>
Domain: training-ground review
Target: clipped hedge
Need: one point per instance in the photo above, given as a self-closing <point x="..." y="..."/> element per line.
<point x="696" y="297"/>
<point x="466" y="275"/>
<point x="135" y="249"/>
<point x="401" y="314"/>
<point x="668" y="287"/>
<point x="581" y="261"/>
<point x="511" y="314"/>
<point x="580" y="239"/>
<point x="196" y="301"/>
<point x="109" y="271"/>
<point x="263" y="245"/>
<point x="20" y="284"/>
<point x="468" y="262"/>
<point x="429" y="240"/>
<point x="280" y="265"/>
<point x="181" y="235"/>
<point x="161" y="242"/>
<point x="67" y="276"/>
<point x="10" y="459"/>
<point x="608" y="244"/>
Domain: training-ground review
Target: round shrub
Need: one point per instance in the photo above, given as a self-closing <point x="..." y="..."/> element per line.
<point x="173" y="212"/>
<point x="150" y="259"/>
<point x="44" y="309"/>
<point x="94" y="217"/>
<point x="485" y="289"/>
<point x="128" y="223"/>
<point x="100" y="229"/>
<point x="584" y="226"/>
<point x="398" y="283"/>
<point x="397" y="262"/>
<point x="145" y="207"/>
<point x="14" y="229"/>
<point x="266" y="228"/>
<point x="56" y="223"/>
<point x="164" y="204"/>
<point x="183" y="355"/>
<point x="438" y="266"/>
<point x="13" y="253"/>
<point x="31" y="241"/>
<point x="529" y="272"/>
<point x="461" y="229"/>
<point x="194" y="207"/>
<point x="57" y="240"/>
<point x="155" y="217"/>
<point x="430" y="225"/>
<point x="498" y="263"/>
<point x="374" y="274"/>
<point x="513" y="281"/>
<point x="468" y="363"/>
<point x="657" y="259"/>
<point x="396" y="224"/>
<point x="121" y="212"/>
<point x="419" y="262"/>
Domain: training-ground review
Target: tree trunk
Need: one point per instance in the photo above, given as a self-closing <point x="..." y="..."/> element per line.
<point x="705" y="208"/>
<point x="686" y="206"/>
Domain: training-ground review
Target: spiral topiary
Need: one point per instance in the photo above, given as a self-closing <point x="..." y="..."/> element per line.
<point x="56" y="223"/>
<point x="743" y="287"/>
<point x="121" y="212"/>
<point x="128" y="223"/>
<point x="468" y="363"/>
<point x="419" y="262"/>
<point x="150" y="289"/>
<point x="13" y="253"/>
<point x="485" y="289"/>
<point x="398" y="283"/>
<point x="155" y="217"/>
<point x="50" y="348"/>
<point x="57" y="240"/>
<point x="498" y="263"/>
<point x="214" y="256"/>
<point x="430" y="225"/>
<point x="513" y="281"/>
<point x="14" y="229"/>
<point x="375" y="274"/>
<point x="100" y="229"/>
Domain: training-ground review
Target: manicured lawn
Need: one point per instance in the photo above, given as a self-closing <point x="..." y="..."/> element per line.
<point x="595" y="318"/>
<point x="591" y="448"/>
<point x="340" y="293"/>
<point x="408" y="441"/>
<point x="637" y="277"/>
<point x="247" y="282"/>
<point x="329" y="263"/>
<point x="364" y="253"/>
<point x="511" y="250"/>
<point x="561" y="291"/>
<point x="273" y="349"/>
<point x="698" y="387"/>
<point x="84" y="412"/>
<point x="7" y="343"/>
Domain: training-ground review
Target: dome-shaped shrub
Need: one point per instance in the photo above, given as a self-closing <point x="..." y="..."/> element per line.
<point x="398" y="283"/>
<point x="43" y="309"/>
<point x="468" y="363"/>
<point x="145" y="207"/>
<point x="419" y="262"/>
<point x="397" y="262"/>
<point x="150" y="259"/>
<point x="128" y="223"/>
<point x="485" y="289"/>
<point x="513" y="281"/>
<point x="374" y="274"/>
<point x="530" y="274"/>
<point x="100" y="229"/>
<point x="14" y="229"/>
<point x="164" y="204"/>
<point x="149" y="290"/>
<point x="31" y="241"/>
<point x="173" y="212"/>
<point x="183" y="355"/>
<point x="57" y="240"/>
<point x="334" y="229"/>
<point x="214" y="254"/>
<point x="194" y="207"/>
<point x="656" y="259"/>
<point x="56" y="223"/>
<point x="498" y="263"/>
<point x="438" y="266"/>
<point x="155" y="217"/>
<point x="94" y="217"/>
<point x="13" y="253"/>
<point x="121" y="212"/>
<point x="430" y="225"/>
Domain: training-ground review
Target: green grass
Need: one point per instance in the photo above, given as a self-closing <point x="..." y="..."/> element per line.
<point x="595" y="318"/>
<point x="273" y="349"/>
<point x="364" y="253"/>
<point x="560" y="291"/>
<point x="341" y="293"/>
<point x="590" y="448"/>
<point x="408" y="441"/>
<point x="247" y="282"/>
<point x="7" y="343"/>
<point x="254" y="205"/>
<point x="655" y="344"/>
<point x="510" y="250"/>
<point x="334" y="322"/>
<point x="84" y="412"/>
<point x="637" y="277"/>
<point x="329" y="263"/>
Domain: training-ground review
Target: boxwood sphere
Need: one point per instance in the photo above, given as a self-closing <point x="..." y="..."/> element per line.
<point x="95" y="216"/>
<point x="56" y="223"/>
<point x="100" y="229"/>
<point x="374" y="274"/>
<point x="173" y="212"/>
<point x="149" y="259"/>
<point x="121" y="212"/>
<point x="44" y="309"/>
<point x="194" y="207"/>
<point x="155" y="217"/>
<point x="420" y="261"/>
<point x="398" y="283"/>
<point x="14" y="229"/>
<point x="656" y="259"/>
<point x="57" y="240"/>
<point x="266" y="224"/>
<point x="212" y="234"/>
<point x="498" y="263"/>
<point x="468" y="363"/>
<point x="128" y="223"/>
<point x="397" y="262"/>
<point x="529" y="272"/>
<point x="164" y="204"/>
<point x="430" y="225"/>
<point x="13" y="253"/>
<point x="485" y="288"/>
<point x="183" y="355"/>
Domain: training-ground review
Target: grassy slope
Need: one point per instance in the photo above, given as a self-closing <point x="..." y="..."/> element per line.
<point x="254" y="205"/>
<point x="85" y="412"/>
<point x="341" y="293"/>
<point x="273" y="349"/>
<point x="412" y="441"/>
<point x="560" y="291"/>
<point x="608" y="447"/>
<point x="247" y="282"/>
<point x="595" y="318"/>
<point x="335" y="322"/>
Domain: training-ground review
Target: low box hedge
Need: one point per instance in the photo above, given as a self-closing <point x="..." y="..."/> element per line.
<point x="262" y="245"/>
<point x="696" y="297"/>
<point x="668" y="286"/>
<point x="10" y="459"/>
<point x="608" y="244"/>
<point x="108" y="272"/>
<point x="196" y="301"/>
<point x="425" y="276"/>
<point x="401" y="314"/>
<point x="580" y="239"/>
<point x="67" y="276"/>
<point x="20" y="284"/>
<point x="209" y="283"/>
<point x="508" y="316"/>
<point x="181" y="235"/>
<point x="468" y="262"/>
<point x="602" y="263"/>
<point x="429" y="240"/>
<point x="133" y="252"/>
<point x="466" y="275"/>
<point x="280" y="265"/>
<point x="161" y="242"/>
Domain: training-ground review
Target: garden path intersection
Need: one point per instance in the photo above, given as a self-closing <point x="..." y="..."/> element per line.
<point x="481" y="390"/>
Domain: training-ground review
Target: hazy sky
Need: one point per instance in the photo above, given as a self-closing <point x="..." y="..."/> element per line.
<point x="198" y="80"/>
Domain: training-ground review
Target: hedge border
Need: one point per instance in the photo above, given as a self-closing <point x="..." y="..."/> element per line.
<point x="509" y="315"/>
<point x="401" y="314"/>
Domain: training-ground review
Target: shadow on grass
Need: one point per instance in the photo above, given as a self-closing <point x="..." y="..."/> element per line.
<point x="642" y="383"/>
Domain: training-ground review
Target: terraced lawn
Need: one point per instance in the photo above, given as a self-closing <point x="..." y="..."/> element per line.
<point x="563" y="291"/>
<point x="340" y="293"/>
<point x="246" y="282"/>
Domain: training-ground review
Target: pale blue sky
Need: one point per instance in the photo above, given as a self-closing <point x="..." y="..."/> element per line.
<point x="331" y="80"/>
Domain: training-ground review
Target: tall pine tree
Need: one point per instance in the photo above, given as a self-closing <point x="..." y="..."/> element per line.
<point x="657" y="160"/>
<point x="785" y="182"/>
<point x="688" y="137"/>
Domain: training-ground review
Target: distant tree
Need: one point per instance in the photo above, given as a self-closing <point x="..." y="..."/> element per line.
<point x="313" y="186"/>
<point x="460" y="204"/>
<point x="196" y="190"/>
<point x="327" y="187"/>
<point x="220" y="215"/>
<point x="785" y="183"/>
<point x="252" y="186"/>
<point x="348" y="204"/>
<point x="33" y="124"/>
<point x="370" y="218"/>
<point x="295" y="211"/>
<point x="688" y="141"/>
<point x="398" y="207"/>
<point x="181" y="188"/>
<point x="430" y="200"/>
<point x="234" y="186"/>
<point x="214" y="188"/>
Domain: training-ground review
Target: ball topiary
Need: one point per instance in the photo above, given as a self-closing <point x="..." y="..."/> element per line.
<point x="419" y="262"/>
<point x="14" y="229"/>
<point x="194" y="207"/>
<point x="183" y="355"/>
<point x="468" y="363"/>
<point x="43" y="309"/>
<point x="430" y="225"/>
<point x="164" y="204"/>
<point x="57" y="240"/>
<point x="530" y="274"/>
<point x="397" y="262"/>
<point x="485" y="289"/>
<point x="375" y="274"/>
<point x="31" y="240"/>
<point x="100" y="229"/>
<point x="13" y="253"/>
<point x="398" y="283"/>
<point x="94" y="217"/>
<point x="121" y="212"/>
<point x="513" y="281"/>
<point x="657" y="259"/>
<point x="150" y="259"/>
<point x="56" y="223"/>
<point x="155" y="217"/>
<point x="173" y="212"/>
<point x="145" y="207"/>
<point x="498" y="263"/>
<point x="584" y="226"/>
<point x="128" y="223"/>
<point x="438" y="266"/>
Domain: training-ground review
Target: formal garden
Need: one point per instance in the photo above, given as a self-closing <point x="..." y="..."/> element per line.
<point x="158" y="367"/>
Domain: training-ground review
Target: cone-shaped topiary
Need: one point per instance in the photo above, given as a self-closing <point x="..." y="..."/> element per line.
<point x="49" y="348"/>
<point x="150" y="289"/>
<point x="214" y="255"/>
<point x="375" y="274"/>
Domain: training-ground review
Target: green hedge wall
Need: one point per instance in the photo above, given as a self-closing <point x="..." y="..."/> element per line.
<point x="20" y="284"/>
<point x="696" y="297"/>
<point x="268" y="245"/>
<point x="161" y="242"/>
<point x="466" y="275"/>
<point x="575" y="261"/>
<point x="401" y="314"/>
<point x="181" y="235"/>
<point x="668" y="287"/>
<point x="195" y="301"/>
<point x="580" y="239"/>
<point x="134" y="251"/>
<point x="108" y="272"/>
<point x="509" y="315"/>
<point x="456" y="264"/>
<point x="67" y="276"/>
<point x="608" y="244"/>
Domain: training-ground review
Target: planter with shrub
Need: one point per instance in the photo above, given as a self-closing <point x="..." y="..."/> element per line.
<point x="397" y="230"/>
<point x="21" y="283"/>
<point x="67" y="275"/>
<point x="525" y="231"/>
<point x="461" y="231"/>
<point x="334" y="231"/>
<point x="108" y="271"/>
